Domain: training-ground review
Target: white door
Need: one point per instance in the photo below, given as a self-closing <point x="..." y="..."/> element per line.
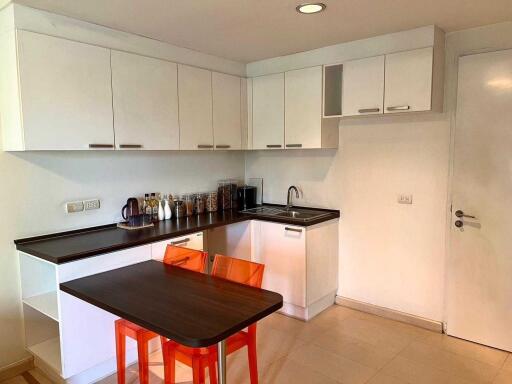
<point x="408" y="81"/>
<point x="195" y="108"/>
<point x="303" y="108"/>
<point x="227" y="128"/>
<point x="66" y="93"/>
<point x="145" y="100"/>
<point x="282" y="248"/>
<point x="363" y="87"/>
<point x="479" y="280"/>
<point x="268" y="111"/>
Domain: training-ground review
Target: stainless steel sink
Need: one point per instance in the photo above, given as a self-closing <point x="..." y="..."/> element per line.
<point x="297" y="214"/>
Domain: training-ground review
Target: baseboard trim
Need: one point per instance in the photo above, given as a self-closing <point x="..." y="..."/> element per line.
<point x="403" y="317"/>
<point x="17" y="368"/>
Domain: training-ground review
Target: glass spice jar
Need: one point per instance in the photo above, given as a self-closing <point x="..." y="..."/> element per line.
<point x="199" y="203"/>
<point x="189" y="205"/>
<point x="211" y="202"/>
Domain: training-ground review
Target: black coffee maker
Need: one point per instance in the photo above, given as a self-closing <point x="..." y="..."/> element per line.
<point x="246" y="197"/>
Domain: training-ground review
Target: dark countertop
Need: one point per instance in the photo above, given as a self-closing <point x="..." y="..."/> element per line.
<point x="191" y="308"/>
<point x="69" y="246"/>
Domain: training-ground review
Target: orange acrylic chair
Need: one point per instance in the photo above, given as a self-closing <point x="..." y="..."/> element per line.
<point x="181" y="257"/>
<point x="239" y="271"/>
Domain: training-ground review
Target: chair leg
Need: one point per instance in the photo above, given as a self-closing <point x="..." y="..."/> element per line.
<point x="169" y="363"/>
<point x="202" y="374"/>
<point x="120" y="355"/>
<point x="253" y="357"/>
<point x="196" y="374"/>
<point x="211" y="368"/>
<point x="142" y="349"/>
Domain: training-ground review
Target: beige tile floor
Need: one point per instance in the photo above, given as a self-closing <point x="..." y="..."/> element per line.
<point x="342" y="346"/>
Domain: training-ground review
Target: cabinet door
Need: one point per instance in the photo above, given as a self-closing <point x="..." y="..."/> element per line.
<point x="192" y="241"/>
<point x="268" y="111"/>
<point x="145" y="100"/>
<point x="227" y="128"/>
<point x="409" y="81"/>
<point x="303" y="108"/>
<point x="282" y="248"/>
<point x="195" y="106"/>
<point x="363" y="87"/>
<point x="66" y="93"/>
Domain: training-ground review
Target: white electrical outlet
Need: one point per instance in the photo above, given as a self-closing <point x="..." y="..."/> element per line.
<point x="404" y="199"/>
<point x="91" y="204"/>
<point x="74" y="206"/>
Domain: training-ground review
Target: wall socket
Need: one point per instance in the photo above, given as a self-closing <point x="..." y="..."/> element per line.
<point x="91" y="204"/>
<point x="404" y="199"/>
<point x="79" y="206"/>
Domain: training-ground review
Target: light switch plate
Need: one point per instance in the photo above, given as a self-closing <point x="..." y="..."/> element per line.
<point x="74" y="206"/>
<point x="404" y="199"/>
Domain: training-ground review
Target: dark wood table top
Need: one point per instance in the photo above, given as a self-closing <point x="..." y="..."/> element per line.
<point x="194" y="309"/>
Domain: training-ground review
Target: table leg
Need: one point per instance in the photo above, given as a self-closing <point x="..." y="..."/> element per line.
<point x="221" y="361"/>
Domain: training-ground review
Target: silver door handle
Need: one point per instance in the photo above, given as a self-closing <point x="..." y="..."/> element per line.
<point x="185" y="240"/>
<point x="293" y="145"/>
<point x="368" y="110"/>
<point x="399" y="108"/>
<point x="204" y="146"/>
<point x="101" y="146"/>
<point x="130" y="146"/>
<point x="460" y="214"/>
<point x="293" y="229"/>
<point x="274" y="145"/>
<point x="221" y="146"/>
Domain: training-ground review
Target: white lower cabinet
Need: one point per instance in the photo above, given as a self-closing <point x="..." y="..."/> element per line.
<point x="300" y="264"/>
<point x="192" y="241"/>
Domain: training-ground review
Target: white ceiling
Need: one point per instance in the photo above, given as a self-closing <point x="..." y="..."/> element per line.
<point x="250" y="30"/>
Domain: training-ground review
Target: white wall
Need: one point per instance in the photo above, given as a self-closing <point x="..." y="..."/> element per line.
<point x="391" y="255"/>
<point x="34" y="187"/>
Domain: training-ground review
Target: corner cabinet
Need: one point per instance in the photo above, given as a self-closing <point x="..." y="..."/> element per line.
<point x="301" y="263"/>
<point x="63" y="97"/>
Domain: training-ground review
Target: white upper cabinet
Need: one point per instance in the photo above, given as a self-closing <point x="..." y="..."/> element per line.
<point x="227" y="128"/>
<point x="303" y="108"/>
<point x="195" y="108"/>
<point x="65" y="92"/>
<point x="268" y="111"/>
<point x="363" y="86"/>
<point x="409" y="81"/>
<point x="145" y="101"/>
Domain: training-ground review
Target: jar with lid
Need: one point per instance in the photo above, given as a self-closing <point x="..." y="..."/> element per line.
<point x="189" y="204"/>
<point x="211" y="202"/>
<point x="179" y="207"/>
<point x="199" y="203"/>
<point x="224" y="194"/>
<point x="233" y="187"/>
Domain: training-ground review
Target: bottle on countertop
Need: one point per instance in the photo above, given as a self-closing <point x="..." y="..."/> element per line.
<point x="154" y="207"/>
<point x="167" y="208"/>
<point x="147" y="210"/>
<point x="161" y="213"/>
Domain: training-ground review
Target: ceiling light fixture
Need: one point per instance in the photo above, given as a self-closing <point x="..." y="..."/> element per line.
<point x="310" y="8"/>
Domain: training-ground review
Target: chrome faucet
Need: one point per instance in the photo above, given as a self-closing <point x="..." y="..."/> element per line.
<point x="289" y="196"/>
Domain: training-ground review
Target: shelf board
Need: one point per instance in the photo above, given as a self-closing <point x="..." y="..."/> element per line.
<point x="49" y="352"/>
<point x="45" y="303"/>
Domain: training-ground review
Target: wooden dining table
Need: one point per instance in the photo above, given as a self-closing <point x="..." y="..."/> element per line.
<point x="193" y="309"/>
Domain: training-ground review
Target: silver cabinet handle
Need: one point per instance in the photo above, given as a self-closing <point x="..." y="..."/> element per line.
<point x="274" y="145"/>
<point x="368" y="110"/>
<point x="221" y="146"/>
<point x="101" y="146"/>
<point x="293" y="145"/>
<point x="130" y="146"/>
<point x="204" y="146"/>
<point x="399" y="108"/>
<point x="183" y="241"/>
<point x="293" y="229"/>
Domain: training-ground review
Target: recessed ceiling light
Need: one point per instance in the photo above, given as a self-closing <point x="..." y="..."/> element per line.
<point x="310" y="8"/>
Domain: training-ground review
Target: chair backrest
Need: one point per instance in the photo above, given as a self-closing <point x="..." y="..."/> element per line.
<point x="187" y="258"/>
<point x="238" y="270"/>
